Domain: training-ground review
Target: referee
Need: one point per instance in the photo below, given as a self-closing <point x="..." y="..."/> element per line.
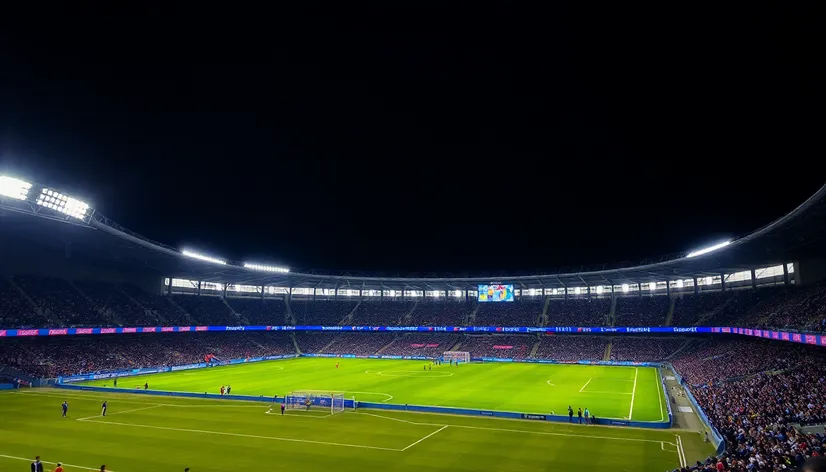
<point x="37" y="466"/>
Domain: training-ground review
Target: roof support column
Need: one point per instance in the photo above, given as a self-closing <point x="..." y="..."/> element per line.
<point x="639" y="289"/>
<point x="224" y="291"/>
<point x="199" y="289"/>
<point x="169" y="287"/>
<point x="589" y="292"/>
<point x="668" y="287"/>
<point x="722" y="282"/>
<point x="315" y="289"/>
<point x="786" y="274"/>
<point x="262" y="291"/>
<point x="566" y="293"/>
<point x="696" y="287"/>
<point x="753" y="279"/>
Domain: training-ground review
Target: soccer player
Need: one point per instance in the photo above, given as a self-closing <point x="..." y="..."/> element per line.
<point x="65" y="408"/>
<point x="116" y="383"/>
<point x="579" y="414"/>
<point x="229" y="389"/>
<point x="587" y="415"/>
<point x="307" y="403"/>
<point x="283" y="406"/>
<point x="146" y="386"/>
<point x="37" y="466"/>
<point x="570" y="414"/>
<point x="336" y="365"/>
<point x="430" y="367"/>
<point x="59" y="468"/>
<point x="222" y="390"/>
<point x="103" y="409"/>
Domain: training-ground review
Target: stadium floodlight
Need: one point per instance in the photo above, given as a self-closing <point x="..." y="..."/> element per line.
<point x="709" y="280"/>
<point x="202" y="257"/>
<point x="457" y="293"/>
<point x="62" y="203"/>
<point x="652" y="286"/>
<point x="625" y="288"/>
<point x="599" y="289"/>
<point x="706" y="250"/>
<point x="266" y="268"/>
<point x="680" y="283"/>
<point x="14" y="188"/>
<point x="577" y="290"/>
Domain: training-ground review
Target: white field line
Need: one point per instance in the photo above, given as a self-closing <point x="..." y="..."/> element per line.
<point x="633" y="393"/>
<point x="29" y="459"/>
<point x="586" y="384"/>
<point x="681" y="451"/>
<point x="429" y="435"/>
<point x="96" y="398"/>
<point x="297" y="415"/>
<point x="240" y="435"/>
<point x="121" y="412"/>
<point x="608" y="393"/>
<point x="545" y="433"/>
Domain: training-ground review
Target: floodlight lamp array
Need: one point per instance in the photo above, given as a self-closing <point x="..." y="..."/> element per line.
<point x="14" y="188"/>
<point x="65" y="204"/>
<point x="266" y="268"/>
<point x="202" y="257"/>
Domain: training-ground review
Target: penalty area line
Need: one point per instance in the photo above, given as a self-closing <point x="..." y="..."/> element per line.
<point x="586" y="384"/>
<point x="241" y="435"/>
<point x="29" y="459"/>
<point x="429" y="435"/>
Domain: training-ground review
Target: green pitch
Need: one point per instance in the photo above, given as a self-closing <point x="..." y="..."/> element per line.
<point x="147" y="433"/>
<point x="608" y="392"/>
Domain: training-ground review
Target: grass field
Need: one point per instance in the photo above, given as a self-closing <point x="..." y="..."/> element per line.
<point x="608" y="392"/>
<point x="157" y="433"/>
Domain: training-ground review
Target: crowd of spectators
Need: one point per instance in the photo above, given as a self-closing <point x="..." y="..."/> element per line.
<point x="690" y="309"/>
<point x="115" y="305"/>
<point x="159" y="305"/>
<point x="572" y="348"/>
<point x="321" y="312"/>
<point x="757" y="415"/>
<point x="360" y="344"/>
<point x="62" y="303"/>
<point x="53" y="357"/>
<point x="260" y="312"/>
<point x="647" y="310"/>
<point x="381" y="313"/>
<point x="206" y="310"/>
<point x="16" y="311"/>
<point x="506" y="346"/>
<point x="313" y="343"/>
<point x="578" y="311"/>
<point x="441" y="313"/>
<point x="519" y="313"/>
<point x="642" y="349"/>
<point x="426" y="345"/>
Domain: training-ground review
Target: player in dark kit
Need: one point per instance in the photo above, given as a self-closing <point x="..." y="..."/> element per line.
<point x="103" y="409"/>
<point x="283" y="406"/>
<point x="65" y="408"/>
<point x="570" y="414"/>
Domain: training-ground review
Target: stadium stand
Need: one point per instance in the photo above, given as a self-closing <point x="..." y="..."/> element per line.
<point x="259" y="312"/>
<point x="15" y="310"/>
<point x="312" y="343"/>
<point x="641" y="311"/>
<point x="388" y="313"/>
<point x="642" y="349"/>
<point x="320" y="312"/>
<point x="158" y="305"/>
<point x="572" y="348"/>
<point x="520" y="313"/>
<point x="578" y="312"/>
<point x="61" y="302"/>
<point x="59" y="357"/>
<point x="426" y="345"/>
<point x="360" y="344"/>
<point x="690" y="309"/>
<point x="441" y="313"/>
<point x="207" y="310"/>
<point x="116" y="305"/>
<point x="516" y="347"/>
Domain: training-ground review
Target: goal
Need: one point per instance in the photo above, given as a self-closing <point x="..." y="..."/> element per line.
<point x="460" y="356"/>
<point x="304" y="401"/>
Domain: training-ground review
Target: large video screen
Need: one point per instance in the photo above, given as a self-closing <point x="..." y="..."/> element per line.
<point x="495" y="293"/>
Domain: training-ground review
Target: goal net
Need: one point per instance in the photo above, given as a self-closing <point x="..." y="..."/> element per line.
<point x="460" y="356"/>
<point x="315" y="400"/>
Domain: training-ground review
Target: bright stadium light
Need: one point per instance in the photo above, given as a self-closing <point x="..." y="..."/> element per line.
<point x="266" y="268"/>
<point x="625" y="288"/>
<point x="599" y="289"/>
<point x="680" y="283"/>
<point x="708" y="280"/>
<point x="14" y="188"/>
<point x="63" y="203"/>
<point x="202" y="257"/>
<point x="706" y="250"/>
<point x="652" y="286"/>
<point x="457" y="293"/>
<point x="555" y="292"/>
<point x="577" y="290"/>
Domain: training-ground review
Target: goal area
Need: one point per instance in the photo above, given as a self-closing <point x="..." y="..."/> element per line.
<point x="459" y="356"/>
<point x="314" y="400"/>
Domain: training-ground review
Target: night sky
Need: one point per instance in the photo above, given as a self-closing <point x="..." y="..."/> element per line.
<point x="421" y="140"/>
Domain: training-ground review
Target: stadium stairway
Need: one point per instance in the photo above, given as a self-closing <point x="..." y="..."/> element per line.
<point x="456" y="346"/>
<point x="26" y="296"/>
<point x="679" y="349"/>
<point x="543" y="319"/>
<point x="349" y="318"/>
<point x="290" y="317"/>
<point x="471" y="317"/>
<point x="669" y="317"/>
<point x="241" y="319"/>
<point x="612" y="314"/>
<point x="181" y="309"/>
<point x="405" y="320"/>
<point x="295" y="343"/>
<point x="711" y="314"/>
<point x="112" y="317"/>
<point x="535" y="347"/>
<point x="608" y="347"/>
<point x="383" y="348"/>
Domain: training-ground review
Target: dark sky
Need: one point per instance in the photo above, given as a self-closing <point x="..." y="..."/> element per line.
<point x="417" y="140"/>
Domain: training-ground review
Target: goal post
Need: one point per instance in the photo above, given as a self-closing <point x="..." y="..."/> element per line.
<point x="304" y="401"/>
<point x="459" y="356"/>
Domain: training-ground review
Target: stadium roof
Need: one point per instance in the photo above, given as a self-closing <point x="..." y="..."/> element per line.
<point x="27" y="224"/>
